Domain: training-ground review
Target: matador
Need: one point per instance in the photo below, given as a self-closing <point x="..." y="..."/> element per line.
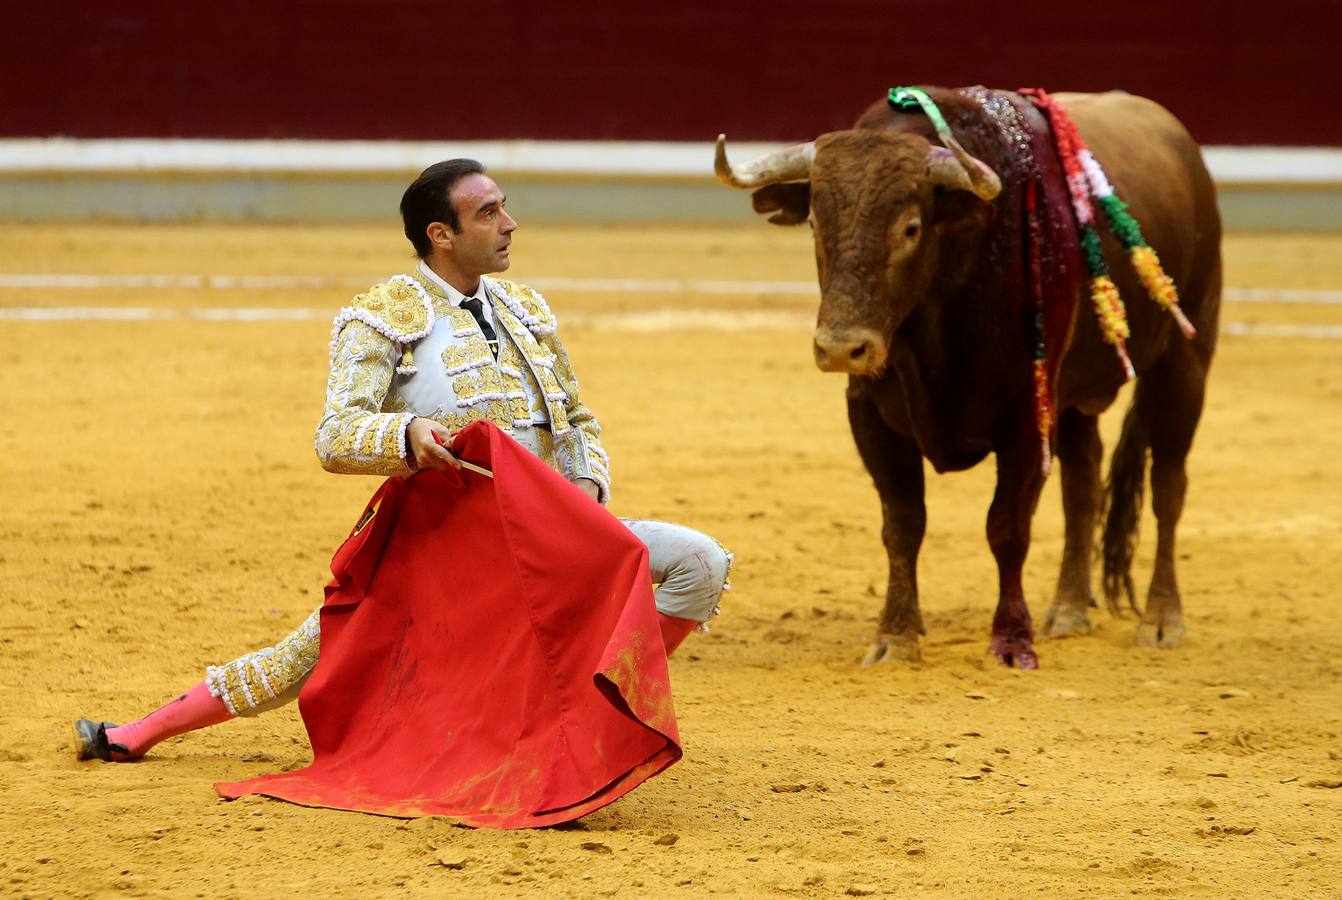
<point x="413" y="361"/>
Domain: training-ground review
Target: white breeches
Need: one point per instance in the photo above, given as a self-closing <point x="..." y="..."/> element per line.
<point x="689" y="568"/>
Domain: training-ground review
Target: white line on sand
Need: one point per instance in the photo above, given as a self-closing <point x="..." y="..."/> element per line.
<point x="1283" y="295"/>
<point x="1274" y="329"/>
<point x="87" y="313"/>
<point x="60" y="281"/>
<point x="646" y="321"/>
<point x="68" y="281"/>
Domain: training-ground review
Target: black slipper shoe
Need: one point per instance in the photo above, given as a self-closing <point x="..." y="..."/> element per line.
<point x="91" y="742"/>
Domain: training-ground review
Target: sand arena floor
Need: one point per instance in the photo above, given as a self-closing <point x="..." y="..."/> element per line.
<point x="163" y="510"/>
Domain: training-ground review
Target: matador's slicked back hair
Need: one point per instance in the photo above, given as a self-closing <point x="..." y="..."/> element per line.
<point x="428" y="200"/>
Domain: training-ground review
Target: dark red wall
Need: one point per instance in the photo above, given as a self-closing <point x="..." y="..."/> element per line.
<point x="684" y="70"/>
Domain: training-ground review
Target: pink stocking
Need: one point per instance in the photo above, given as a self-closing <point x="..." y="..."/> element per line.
<point x="675" y="630"/>
<point x="197" y="708"/>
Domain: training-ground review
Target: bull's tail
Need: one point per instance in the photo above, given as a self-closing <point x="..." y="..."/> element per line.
<point x="1122" y="511"/>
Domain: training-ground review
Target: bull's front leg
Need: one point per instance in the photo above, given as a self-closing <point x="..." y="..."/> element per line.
<point x="896" y="466"/>
<point x="1018" y="484"/>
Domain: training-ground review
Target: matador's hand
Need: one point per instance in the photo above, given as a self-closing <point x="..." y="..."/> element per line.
<point x="427" y="452"/>
<point x="592" y="489"/>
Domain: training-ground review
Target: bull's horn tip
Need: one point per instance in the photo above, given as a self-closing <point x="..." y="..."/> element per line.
<point x="721" y="167"/>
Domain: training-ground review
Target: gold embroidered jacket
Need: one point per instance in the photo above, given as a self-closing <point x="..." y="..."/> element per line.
<point x="401" y="350"/>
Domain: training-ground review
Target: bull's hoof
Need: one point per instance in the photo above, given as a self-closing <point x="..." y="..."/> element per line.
<point x="1160" y="635"/>
<point x="893" y="648"/>
<point x="1015" y="652"/>
<point x="1066" y="621"/>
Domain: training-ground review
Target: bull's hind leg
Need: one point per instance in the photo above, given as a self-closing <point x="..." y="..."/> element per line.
<point x="1169" y="400"/>
<point x="1018" y="483"/>
<point x="896" y="467"/>
<point x="1080" y="454"/>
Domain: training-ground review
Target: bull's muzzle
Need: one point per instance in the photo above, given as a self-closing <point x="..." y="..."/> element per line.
<point x="858" y="351"/>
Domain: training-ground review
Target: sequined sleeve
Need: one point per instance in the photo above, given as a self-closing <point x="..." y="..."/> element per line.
<point x="580" y="454"/>
<point x="355" y="436"/>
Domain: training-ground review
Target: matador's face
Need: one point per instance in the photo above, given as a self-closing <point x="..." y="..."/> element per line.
<point x="482" y="245"/>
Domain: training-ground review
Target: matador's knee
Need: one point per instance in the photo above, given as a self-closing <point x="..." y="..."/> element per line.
<point x="690" y="568"/>
<point x="269" y="678"/>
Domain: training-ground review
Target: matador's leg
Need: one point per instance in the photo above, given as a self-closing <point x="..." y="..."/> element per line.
<point x="690" y="570"/>
<point x="252" y="684"/>
<point x="269" y="678"/>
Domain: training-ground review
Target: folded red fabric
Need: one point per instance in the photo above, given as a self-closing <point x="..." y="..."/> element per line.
<point x="490" y="652"/>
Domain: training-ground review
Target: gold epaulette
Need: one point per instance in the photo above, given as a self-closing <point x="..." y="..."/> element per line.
<point x="528" y="306"/>
<point x="399" y="309"/>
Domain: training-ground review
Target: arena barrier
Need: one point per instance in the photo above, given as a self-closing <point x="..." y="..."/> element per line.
<point x="65" y="179"/>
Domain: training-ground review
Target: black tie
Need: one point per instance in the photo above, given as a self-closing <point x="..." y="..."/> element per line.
<point x="477" y="309"/>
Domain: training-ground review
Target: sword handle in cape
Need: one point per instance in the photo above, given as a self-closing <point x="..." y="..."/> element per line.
<point x="479" y="470"/>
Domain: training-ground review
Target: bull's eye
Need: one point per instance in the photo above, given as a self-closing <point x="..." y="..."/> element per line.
<point x="911" y="229"/>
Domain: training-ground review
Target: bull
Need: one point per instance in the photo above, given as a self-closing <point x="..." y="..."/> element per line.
<point x="925" y="305"/>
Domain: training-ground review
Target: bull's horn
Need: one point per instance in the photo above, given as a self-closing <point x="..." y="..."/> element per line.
<point x="789" y="164"/>
<point x="962" y="172"/>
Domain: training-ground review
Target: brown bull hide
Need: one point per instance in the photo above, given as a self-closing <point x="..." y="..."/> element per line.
<point x="926" y="304"/>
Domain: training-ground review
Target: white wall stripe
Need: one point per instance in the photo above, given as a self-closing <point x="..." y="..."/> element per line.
<point x="1228" y="165"/>
<point x="68" y="281"/>
<point x="603" y="158"/>
<point x="643" y="321"/>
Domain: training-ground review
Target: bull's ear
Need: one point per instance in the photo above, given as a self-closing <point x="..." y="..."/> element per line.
<point x="960" y="211"/>
<point x="790" y="203"/>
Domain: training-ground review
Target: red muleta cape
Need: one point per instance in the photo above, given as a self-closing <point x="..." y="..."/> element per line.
<point x="490" y="651"/>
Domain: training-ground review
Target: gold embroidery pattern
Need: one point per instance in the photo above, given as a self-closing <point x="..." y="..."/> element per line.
<point x="550" y="385"/>
<point x="490" y="412"/>
<point x="272" y="674"/>
<point x="538" y="352"/>
<point x="510" y="323"/>
<point x="472" y="352"/>
<point x="597" y="461"/>
<point x="559" y="422"/>
<point x="399" y="311"/>
<point x="543" y="358"/>
<point x="478" y="386"/>
<point x="577" y="432"/>
<point x="510" y="361"/>
<point x="534" y="350"/>
<point x="356" y="434"/>
<point x="548" y="449"/>
<point x="520" y="410"/>
<point x="427" y="283"/>
<point x="537" y="315"/>
<point x="463" y="323"/>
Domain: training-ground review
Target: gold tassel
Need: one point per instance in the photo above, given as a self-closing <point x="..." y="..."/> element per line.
<point x="1159" y="285"/>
